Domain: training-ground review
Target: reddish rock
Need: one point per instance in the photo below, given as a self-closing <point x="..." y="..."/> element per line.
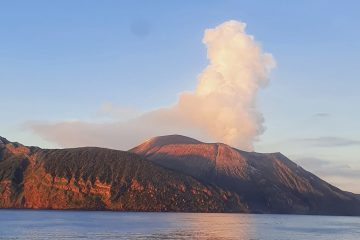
<point x="96" y="178"/>
<point x="266" y="183"/>
<point x="170" y="173"/>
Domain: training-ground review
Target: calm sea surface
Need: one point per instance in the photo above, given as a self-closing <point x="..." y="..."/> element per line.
<point x="28" y="224"/>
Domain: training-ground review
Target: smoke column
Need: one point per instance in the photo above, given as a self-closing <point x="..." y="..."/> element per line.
<point x="222" y="108"/>
<point x="224" y="102"/>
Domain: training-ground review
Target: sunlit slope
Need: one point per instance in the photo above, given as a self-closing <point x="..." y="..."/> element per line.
<point x="267" y="183"/>
<point x="96" y="178"/>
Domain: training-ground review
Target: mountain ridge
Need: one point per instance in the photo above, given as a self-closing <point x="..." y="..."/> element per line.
<point x="100" y="179"/>
<point x="166" y="173"/>
<point x="267" y="182"/>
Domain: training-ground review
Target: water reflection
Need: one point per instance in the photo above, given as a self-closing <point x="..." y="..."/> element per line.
<point x="217" y="226"/>
<point x="25" y="224"/>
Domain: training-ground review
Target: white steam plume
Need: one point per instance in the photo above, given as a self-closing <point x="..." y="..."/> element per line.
<point x="224" y="102"/>
<point x="222" y="108"/>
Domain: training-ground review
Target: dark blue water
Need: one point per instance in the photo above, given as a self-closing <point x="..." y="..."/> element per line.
<point x="28" y="224"/>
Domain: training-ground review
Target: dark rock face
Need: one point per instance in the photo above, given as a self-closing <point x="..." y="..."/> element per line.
<point x="95" y="178"/>
<point x="266" y="183"/>
<point x="170" y="173"/>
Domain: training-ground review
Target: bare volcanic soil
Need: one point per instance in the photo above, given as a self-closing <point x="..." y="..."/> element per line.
<point x="101" y="179"/>
<point x="168" y="173"/>
<point x="266" y="183"/>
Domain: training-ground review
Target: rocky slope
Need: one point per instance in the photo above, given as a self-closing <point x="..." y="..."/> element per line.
<point x="95" y="178"/>
<point x="170" y="173"/>
<point x="266" y="183"/>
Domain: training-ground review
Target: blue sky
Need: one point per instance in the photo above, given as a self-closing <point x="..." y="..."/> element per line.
<point x="63" y="60"/>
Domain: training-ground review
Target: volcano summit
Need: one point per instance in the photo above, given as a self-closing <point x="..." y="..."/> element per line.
<point x="167" y="173"/>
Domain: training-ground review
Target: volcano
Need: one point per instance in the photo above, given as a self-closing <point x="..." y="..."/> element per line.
<point x="265" y="182"/>
<point x="167" y="173"/>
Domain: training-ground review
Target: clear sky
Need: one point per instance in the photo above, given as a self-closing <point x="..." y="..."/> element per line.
<point x="73" y="60"/>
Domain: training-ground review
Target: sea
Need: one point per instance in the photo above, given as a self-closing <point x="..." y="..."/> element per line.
<point x="41" y="224"/>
